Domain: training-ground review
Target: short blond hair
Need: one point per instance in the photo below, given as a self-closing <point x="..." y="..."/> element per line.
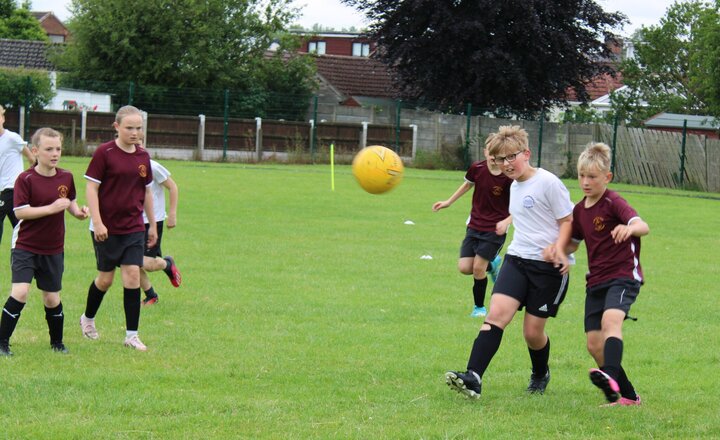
<point x="2" y="110"/>
<point x="47" y="132"/>
<point x="595" y="156"/>
<point x="126" y="111"/>
<point x="508" y="138"/>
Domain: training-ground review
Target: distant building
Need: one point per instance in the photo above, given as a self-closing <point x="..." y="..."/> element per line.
<point x="701" y="125"/>
<point x="54" y="28"/>
<point x="337" y="43"/>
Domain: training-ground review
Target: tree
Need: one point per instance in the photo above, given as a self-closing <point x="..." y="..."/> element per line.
<point x="23" y="87"/>
<point x="514" y="54"/>
<point x="203" y="44"/>
<point x="18" y="23"/>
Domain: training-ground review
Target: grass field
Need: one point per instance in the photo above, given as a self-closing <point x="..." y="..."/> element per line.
<point x="307" y="313"/>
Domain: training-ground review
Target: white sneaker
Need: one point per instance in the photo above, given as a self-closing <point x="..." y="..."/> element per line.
<point x="88" y="328"/>
<point x="135" y="342"/>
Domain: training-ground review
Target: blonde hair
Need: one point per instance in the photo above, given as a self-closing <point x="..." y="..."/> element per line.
<point x="507" y="138"/>
<point x="596" y="155"/>
<point x="2" y="110"/>
<point x="126" y="111"/>
<point x="47" y="132"/>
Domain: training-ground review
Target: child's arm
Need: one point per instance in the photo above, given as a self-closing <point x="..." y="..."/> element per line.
<point x="174" y="194"/>
<point x="91" y="194"/>
<point x="503" y="225"/>
<point x="557" y="252"/>
<point x="28" y="154"/>
<point x="76" y="211"/>
<point x="465" y="187"/>
<point x="636" y="228"/>
<point x="148" y="206"/>
<point x="33" y="212"/>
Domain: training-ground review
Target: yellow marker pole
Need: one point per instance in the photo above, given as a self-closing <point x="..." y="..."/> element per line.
<point x="332" y="166"/>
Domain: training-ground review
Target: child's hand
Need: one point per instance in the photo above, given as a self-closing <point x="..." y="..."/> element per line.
<point x="82" y="213"/>
<point x="60" y="204"/>
<point x="621" y="233"/>
<point x="439" y="205"/>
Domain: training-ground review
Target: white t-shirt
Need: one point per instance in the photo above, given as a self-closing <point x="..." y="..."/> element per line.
<point x="160" y="175"/>
<point x="11" y="158"/>
<point x="535" y="205"/>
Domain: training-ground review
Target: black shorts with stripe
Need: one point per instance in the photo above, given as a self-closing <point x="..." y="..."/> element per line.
<point x="538" y="285"/>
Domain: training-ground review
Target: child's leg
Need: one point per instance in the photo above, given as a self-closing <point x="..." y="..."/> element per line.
<point x="612" y="322"/>
<point x="538" y="344"/>
<point x="96" y="292"/>
<point x="54" y="316"/>
<point x="131" y="296"/>
<point x="480" y="280"/>
<point x="12" y="310"/>
<point x="502" y="310"/>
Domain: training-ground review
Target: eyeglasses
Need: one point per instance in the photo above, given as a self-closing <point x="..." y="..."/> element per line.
<point x="510" y="158"/>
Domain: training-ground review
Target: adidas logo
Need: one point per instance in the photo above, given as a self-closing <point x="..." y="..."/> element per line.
<point x="543" y="308"/>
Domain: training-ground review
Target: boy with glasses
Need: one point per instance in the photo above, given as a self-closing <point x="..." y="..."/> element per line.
<point x="540" y="207"/>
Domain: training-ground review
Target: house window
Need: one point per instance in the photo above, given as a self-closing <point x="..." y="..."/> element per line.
<point x="361" y="49"/>
<point x="317" y="47"/>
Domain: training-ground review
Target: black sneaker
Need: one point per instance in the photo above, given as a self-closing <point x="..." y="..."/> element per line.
<point x="467" y="383"/>
<point x="59" y="347"/>
<point x="538" y="385"/>
<point x="5" y="348"/>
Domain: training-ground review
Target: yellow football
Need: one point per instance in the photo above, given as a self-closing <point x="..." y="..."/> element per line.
<point x="377" y="169"/>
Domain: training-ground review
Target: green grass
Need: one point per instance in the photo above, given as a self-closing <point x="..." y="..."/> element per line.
<point x="308" y="313"/>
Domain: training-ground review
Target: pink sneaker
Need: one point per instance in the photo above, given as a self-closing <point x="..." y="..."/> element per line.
<point x="88" y="328"/>
<point x="606" y="383"/>
<point x="134" y="342"/>
<point x="625" y="402"/>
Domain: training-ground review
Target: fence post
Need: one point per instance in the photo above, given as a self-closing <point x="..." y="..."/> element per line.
<point x="313" y="129"/>
<point x="258" y="139"/>
<point x="614" y="143"/>
<point x="145" y="130"/>
<point x="540" y="137"/>
<point x="398" y="107"/>
<point x="682" y="154"/>
<point x="28" y="87"/>
<point x="466" y="153"/>
<point x="201" y="137"/>
<point x="21" y="122"/>
<point x="363" y="136"/>
<point x="131" y="92"/>
<point x="312" y="138"/>
<point x="226" y="123"/>
<point x="83" y="126"/>
<point x="414" y="140"/>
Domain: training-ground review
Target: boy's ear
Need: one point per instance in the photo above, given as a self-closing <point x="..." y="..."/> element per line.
<point x="610" y="176"/>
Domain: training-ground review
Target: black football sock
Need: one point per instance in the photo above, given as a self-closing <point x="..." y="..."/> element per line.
<point x="10" y="317"/>
<point x="540" y="359"/>
<point x="626" y="387"/>
<point x="94" y="299"/>
<point x="167" y="267"/>
<point x="131" y="302"/>
<point x="484" y="348"/>
<point x="55" y="319"/>
<point x="150" y="293"/>
<point x="613" y="356"/>
<point x="479" y="288"/>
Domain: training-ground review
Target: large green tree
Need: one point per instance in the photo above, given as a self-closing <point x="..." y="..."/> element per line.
<point x="676" y="67"/>
<point x="208" y="44"/>
<point x="18" y="24"/>
<point x="514" y="54"/>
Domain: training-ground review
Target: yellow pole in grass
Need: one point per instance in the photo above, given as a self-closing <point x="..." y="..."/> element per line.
<point x="332" y="166"/>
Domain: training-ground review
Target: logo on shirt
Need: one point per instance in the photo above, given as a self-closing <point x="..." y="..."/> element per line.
<point x="63" y="191"/>
<point x="599" y="223"/>
<point x="528" y="202"/>
<point x="142" y="169"/>
<point x="497" y="190"/>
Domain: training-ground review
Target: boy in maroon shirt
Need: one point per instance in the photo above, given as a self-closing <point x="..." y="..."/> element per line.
<point x="41" y="195"/>
<point x="486" y="227"/>
<point x="118" y="189"/>
<point x="611" y="229"/>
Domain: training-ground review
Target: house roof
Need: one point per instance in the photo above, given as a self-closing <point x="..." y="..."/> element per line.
<point x="50" y="23"/>
<point x="356" y="76"/>
<point x="675" y="120"/>
<point x="600" y="86"/>
<point x="24" y="53"/>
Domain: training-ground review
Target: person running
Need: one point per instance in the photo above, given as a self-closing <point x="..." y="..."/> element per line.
<point x="12" y="149"/>
<point x="42" y="194"/>
<point x="540" y="207"/>
<point x="486" y="227"/>
<point x="119" y="178"/>
<point x="611" y="229"/>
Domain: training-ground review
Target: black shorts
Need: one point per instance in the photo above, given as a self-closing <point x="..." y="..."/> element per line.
<point x="46" y="269"/>
<point x="155" y="250"/>
<point x="484" y="244"/>
<point x="614" y="294"/>
<point x="117" y="250"/>
<point x="538" y="285"/>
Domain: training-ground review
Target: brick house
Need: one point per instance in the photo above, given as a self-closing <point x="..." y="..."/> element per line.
<point x="54" y="28"/>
